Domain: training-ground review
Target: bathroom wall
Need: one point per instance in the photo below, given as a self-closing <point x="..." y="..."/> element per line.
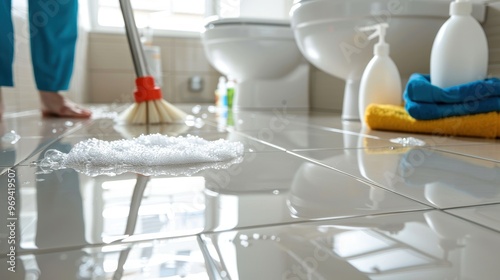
<point x="112" y="77"/>
<point x="111" y="73"/>
<point x="326" y="91"/>
<point x="492" y="30"/>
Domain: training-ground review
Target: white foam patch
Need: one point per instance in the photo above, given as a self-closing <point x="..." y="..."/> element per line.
<point x="11" y="137"/>
<point x="153" y="154"/>
<point x="408" y="141"/>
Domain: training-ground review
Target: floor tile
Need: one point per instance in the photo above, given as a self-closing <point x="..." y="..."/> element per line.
<point x="179" y="258"/>
<point x="17" y="153"/>
<point x="33" y="125"/>
<point x="323" y="119"/>
<point x="486" y="215"/>
<point x="418" y="245"/>
<point x="23" y="137"/>
<point x="102" y="127"/>
<point x="438" y="179"/>
<point x="307" y="138"/>
<point x="313" y="196"/>
<point x="488" y="152"/>
<point x="66" y="208"/>
<point x="251" y="145"/>
<point x="429" y="139"/>
<point x="275" y="120"/>
<point x="295" y="191"/>
<point x="334" y="122"/>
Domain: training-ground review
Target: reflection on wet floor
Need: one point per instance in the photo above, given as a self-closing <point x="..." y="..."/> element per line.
<point x="310" y="197"/>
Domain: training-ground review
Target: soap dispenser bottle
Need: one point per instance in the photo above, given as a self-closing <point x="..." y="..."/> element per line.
<point x="381" y="82"/>
<point x="460" y="50"/>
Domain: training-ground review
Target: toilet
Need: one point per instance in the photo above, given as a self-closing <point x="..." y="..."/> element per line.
<point x="327" y="33"/>
<point x="263" y="57"/>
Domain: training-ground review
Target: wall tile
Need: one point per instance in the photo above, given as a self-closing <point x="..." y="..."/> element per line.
<point x="181" y="59"/>
<point x="183" y="95"/>
<point x="111" y="53"/>
<point x="167" y="88"/>
<point x="111" y="87"/>
<point x="189" y="56"/>
<point x="492" y="30"/>
<point x="167" y="52"/>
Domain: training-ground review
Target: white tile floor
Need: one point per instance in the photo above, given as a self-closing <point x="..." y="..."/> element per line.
<point x="313" y="198"/>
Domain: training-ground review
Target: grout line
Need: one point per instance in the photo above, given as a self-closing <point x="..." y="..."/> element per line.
<point x="371" y="183"/>
<point x="470" y="206"/>
<point x="470" y="221"/>
<point x="440" y="149"/>
<point x="42" y="147"/>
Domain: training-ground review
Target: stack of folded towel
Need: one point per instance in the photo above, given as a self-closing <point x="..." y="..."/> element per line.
<point x="465" y="110"/>
<point x="424" y="101"/>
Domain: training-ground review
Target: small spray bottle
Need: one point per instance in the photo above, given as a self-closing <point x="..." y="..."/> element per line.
<point x="381" y="82"/>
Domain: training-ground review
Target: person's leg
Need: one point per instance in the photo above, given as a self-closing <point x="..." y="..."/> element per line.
<point x="53" y="29"/>
<point x="6" y="47"/>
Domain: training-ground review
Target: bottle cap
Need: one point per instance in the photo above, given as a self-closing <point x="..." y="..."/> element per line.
<point x="460" y="8"/>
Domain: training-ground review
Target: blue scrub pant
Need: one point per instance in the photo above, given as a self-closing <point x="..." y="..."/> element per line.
<point x="52" y="37"/>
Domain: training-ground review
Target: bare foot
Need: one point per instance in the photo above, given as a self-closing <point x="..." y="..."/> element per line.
<point x="58" y="106"/>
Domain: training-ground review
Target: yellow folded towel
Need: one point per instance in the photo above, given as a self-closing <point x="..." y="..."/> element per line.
<point x="395" y="118"/>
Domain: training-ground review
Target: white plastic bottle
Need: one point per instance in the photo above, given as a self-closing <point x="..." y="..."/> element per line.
<point x="381" y="82"/>
<point x="460" y="50"/>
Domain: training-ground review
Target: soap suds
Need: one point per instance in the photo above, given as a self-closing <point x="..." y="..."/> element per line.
<point x="408" y="141"/>
<point x="11" y="137"/>
<point x="148" y="155"/>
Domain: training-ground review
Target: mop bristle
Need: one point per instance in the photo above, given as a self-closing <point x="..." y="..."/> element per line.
<point x="150" y="107"/>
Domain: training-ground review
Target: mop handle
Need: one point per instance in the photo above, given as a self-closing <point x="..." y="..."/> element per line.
<point x="134" y="41"/>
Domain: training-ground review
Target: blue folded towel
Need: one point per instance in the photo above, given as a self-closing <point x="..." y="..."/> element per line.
<point x="424" y="101"/>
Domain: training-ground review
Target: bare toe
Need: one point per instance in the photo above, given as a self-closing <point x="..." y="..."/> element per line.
<point x="57" y="106"/>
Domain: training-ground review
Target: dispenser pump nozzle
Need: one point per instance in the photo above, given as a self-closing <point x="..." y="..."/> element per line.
<point x="381" y="48"/>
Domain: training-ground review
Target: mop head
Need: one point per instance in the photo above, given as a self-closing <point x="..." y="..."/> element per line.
<point x="150" y="107"/>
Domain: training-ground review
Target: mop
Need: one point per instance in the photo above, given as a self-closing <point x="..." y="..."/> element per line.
<point x="149" y="106"/>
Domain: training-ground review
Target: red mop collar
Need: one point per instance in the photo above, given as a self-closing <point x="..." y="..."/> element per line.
<point x="146" y="89"/>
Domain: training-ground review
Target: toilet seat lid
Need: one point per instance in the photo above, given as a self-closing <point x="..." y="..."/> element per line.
<point x="218" y="21"/>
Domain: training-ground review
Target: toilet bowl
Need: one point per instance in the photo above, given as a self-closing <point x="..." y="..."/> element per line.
<point x="327" y="33"/>
<point x="263" y="57"/>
